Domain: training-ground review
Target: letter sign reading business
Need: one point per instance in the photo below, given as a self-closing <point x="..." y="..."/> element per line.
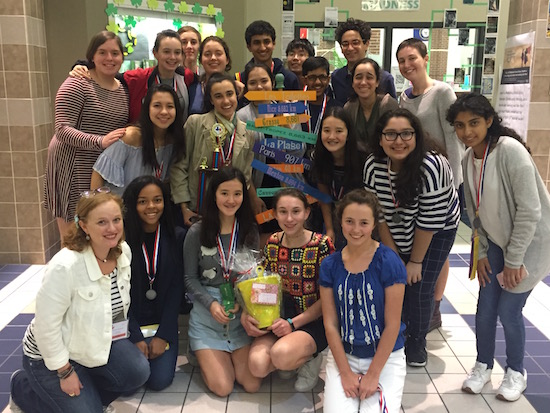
<point x="390" y="5"/>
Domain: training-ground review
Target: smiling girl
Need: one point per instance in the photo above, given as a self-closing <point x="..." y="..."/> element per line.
<point x="215" y="333"/>
<point x="509" y="205"/>
<point x="147" y="149"/>
<point x="200" y="135"/>
<point x="295" y="340"/>
<point x="365" y="105"/>
<point x="337" y="164"/>
<point x="362" y="290"/>
<point x="420" y="214"/>
<point x="157" y="276"/>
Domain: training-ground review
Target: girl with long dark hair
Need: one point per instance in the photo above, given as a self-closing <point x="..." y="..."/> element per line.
<point x="216" y="335"/>
<point x="420" y="213"/>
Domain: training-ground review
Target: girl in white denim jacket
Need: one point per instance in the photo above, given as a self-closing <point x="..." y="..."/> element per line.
<point x="76" y="357"/>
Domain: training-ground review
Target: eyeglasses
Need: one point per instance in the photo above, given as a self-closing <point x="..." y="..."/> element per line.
<point x="92" y="192"/>
<point x="315" y="78"/>
<point x="353" y="43"/>
<point x="406" y="135"/>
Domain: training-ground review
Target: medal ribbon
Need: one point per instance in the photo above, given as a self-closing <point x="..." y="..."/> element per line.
<point x="382" y="400"/>
<point x="395" y="203"/>
<point x="474" y="252"/>
<point x="226" y="264"/>
<point x="226" y="158"/>
<point x="158" y="171"/>
<point x="337" y="196"/>
<point x="151" y="267"/>
<point x="174" y="85"/>
<point x="319" y="117"/>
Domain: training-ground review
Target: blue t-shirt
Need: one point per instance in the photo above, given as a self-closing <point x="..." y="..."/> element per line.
<point x="360" y="299"/>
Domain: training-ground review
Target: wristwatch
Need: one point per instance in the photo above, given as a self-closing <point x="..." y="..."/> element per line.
<point x="291" y="324"/>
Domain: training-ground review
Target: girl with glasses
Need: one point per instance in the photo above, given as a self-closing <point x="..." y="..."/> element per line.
<point x="420" y="213"/>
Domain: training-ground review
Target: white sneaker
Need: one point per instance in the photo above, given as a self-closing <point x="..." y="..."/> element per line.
<point x="478" y="377"/>
<point x="308" y="374"/>
<point x="14" y="408"/>
<point x="512" y="386"/>
<point x="286" y="374"/>
<point x="109" y="409"/>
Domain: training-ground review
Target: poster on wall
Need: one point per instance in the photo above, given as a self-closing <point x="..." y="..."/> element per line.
<point x="390" y="5"/>
<point x="331" y="16"/>
<point x="515" y="84"/>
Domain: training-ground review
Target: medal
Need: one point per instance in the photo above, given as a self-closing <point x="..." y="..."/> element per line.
<point x="396" y="218"/>
<point x="151" y="266"/>
<point x="477" y="222"/>
<point x="151" y="294"/>
<point x="218" y="130"/>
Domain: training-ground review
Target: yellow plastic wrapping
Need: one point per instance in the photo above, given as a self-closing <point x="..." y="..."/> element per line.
<point x="261" y="296"/>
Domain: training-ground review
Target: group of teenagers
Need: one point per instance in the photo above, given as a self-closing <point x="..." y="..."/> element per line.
<point x="363" y="275"/>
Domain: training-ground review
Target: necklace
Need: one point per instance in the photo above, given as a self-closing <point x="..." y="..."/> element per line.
<point x="99" y="259"/>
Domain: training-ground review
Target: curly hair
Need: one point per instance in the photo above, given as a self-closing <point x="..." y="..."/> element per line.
<point x="362" y="197"/>
<point x="357" y="25"/>
<point x="76" y="240"/>
<point x="408" y="183"/>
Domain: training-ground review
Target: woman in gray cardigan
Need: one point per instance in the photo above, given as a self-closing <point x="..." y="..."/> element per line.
<point x="509" y="206"/>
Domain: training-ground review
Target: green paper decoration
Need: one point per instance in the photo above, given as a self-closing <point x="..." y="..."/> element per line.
<point x="136" y="3"/>
<point x="220" y="33"/>
<point x="184" y="7"/>
<point x="197" y="8"/>
<point x="130" y="21"/>
<point x="153" y="4"/>
<point x="118" y="2"/>
<point x="113" y="27"/>
<point x="111" y="10"/>
<point x="169" y="6"/>
<point x="177" y="23"/>
<point x="219" y="18"/>
<point x="210" y="10"/>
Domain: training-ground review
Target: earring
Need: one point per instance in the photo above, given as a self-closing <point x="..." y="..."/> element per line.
<point x="87" y="237"/>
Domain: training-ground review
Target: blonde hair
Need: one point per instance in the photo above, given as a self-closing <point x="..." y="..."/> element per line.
<point x="76" y="240"/>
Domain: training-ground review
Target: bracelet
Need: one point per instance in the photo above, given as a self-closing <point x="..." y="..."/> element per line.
<point x="415" y="262"/>
<point x="291" y="324"/>
<point x="65" y="373"/>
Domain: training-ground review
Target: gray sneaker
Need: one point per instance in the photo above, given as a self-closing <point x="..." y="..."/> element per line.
<point x="286" y="374"/>
<point x="308" y="374"/>
<point x="109" y="409"/>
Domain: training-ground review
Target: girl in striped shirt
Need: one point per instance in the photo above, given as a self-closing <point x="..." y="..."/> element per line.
<point x="420" y="213"/>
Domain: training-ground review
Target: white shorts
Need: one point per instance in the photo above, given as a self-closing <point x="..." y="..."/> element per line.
<point x="392" y="380"/>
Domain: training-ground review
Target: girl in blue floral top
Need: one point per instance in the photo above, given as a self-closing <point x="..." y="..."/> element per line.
<point x="362" y="289"/>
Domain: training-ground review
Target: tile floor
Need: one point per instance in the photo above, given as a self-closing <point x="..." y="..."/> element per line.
<point x="433" y="389"/>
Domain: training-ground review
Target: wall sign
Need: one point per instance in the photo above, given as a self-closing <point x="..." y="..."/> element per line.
<point x="390" y="5"/>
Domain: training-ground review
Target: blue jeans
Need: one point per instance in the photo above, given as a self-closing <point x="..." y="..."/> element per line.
<point x="493" y="302"/>
<point x="37" y="389"/>
<point x="163" y="368"/>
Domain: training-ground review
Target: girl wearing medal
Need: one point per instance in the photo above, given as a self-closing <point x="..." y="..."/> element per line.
<point x="145" y="149"/>
<point x="157" y="276"/>
<point x="337" y="165"/>
<point x="259" y="77"/>
<point x="293" y="343"/>
<point x="509" y="206"/>
<point x="216" y="335"/>
<point x="420" y="213"/>
<point x="215" y="140"/>
<point x="365" y="105"/>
